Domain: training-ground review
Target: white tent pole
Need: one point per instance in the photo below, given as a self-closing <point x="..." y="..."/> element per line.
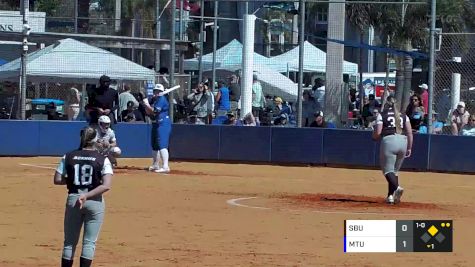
<point x="247" y="63"/>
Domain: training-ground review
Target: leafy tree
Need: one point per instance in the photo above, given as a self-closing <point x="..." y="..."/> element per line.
<point x="407" y="28"/>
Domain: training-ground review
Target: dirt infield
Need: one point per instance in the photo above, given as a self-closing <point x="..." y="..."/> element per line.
<point x="205" y="214"/>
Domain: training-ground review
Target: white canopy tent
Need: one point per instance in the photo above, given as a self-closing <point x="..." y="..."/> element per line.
<point x="72" y="61"/>
<point x="229" y="60"/>
<point x="315" y="60"/>
<point x="272" y="82"/>
<point x="228" y="55"/>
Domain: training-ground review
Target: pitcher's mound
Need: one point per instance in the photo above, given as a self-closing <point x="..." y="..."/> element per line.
<point x="341" y="201"/>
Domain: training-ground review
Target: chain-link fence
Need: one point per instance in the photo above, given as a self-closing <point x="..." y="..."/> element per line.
<point x="454" y="87"/>
<point x="351" y="98"/>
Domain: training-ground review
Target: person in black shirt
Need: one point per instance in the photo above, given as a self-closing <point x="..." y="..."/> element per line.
<point x="102" y="101"/>
<point x="319" y="121"/>
<point x="87" y="174"/>
<point x="131" y="114"/>
<point x="234" y="92"/>
<point x="53" y="115"/>
<point x="395" y="130"/>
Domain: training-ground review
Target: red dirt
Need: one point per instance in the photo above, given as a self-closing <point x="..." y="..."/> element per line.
<point x="351" y="201"/>
<point x="133" y="169"/>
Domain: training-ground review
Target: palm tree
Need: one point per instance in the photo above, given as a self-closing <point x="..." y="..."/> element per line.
<point x="406" y="25"/>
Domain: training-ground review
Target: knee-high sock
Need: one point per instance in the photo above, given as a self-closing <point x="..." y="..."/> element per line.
<point x="66" y="263"/>
<point x="85" y="262"/>
<point x="392" y="182"/>
<point x="164" y="154"/>
<point x="156" y="158"/>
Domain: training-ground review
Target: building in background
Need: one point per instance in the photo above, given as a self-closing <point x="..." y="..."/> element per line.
<point x="12" y="21"/>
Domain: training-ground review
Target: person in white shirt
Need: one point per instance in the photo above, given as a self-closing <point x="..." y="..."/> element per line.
<point x="258" y="100"/>
<point x="74" y="98"/>
<point x="459" y="118"/>
<point x="125" y="97"/>
<point x="469" y="129"/>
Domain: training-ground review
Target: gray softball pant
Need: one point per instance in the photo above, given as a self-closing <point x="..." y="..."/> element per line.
<point x="392" y="152"/>
<point x="92" y="216"/>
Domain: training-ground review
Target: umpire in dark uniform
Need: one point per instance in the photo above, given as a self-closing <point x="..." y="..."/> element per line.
<point x="103" y="100"/>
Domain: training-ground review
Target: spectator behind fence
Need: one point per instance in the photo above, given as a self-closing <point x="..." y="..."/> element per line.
<point x="162" y="78"/>
<point x="258" y="100"/>
<point x="373" y="120"/>
<point x="320" y="122"/>
<point x="200" y="103"/>
<point x="131" y="114"/>
<point x="308" y="108"/>
<point x="53" y="115"/>
<point x="459" y="118"/>
<point x="125" y="97"/>
<point x="415" y="112"/>
<point x="318" y="93"/>
<point x="249" y="120"/>
<point x="231" y="120"/>
<point x="222" y="99"/>
<point x="373" y="103"/>
<point x="73" y="100"/>
<point x="139" y="97"/>
<point x="352" y="99"/>
<point x="194" y="120"/>
<point x="469" y="129"/>
<point x="102" y="101"/>
<point x="425" y="96"/>
<point x="437" y="125"/>
<point x="282" y="120"/>
<point x="366" y="114"/>
<point x="234" y="93"/>
<point x="280" y="107"/>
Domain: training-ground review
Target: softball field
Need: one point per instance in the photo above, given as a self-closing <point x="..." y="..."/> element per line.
<point x="213" y="214"/>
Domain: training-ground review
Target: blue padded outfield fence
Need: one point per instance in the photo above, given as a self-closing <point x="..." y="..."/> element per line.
<point x="245" y="144"/>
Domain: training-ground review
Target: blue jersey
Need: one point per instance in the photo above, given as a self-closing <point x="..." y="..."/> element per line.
<point x="224" y="103"/>
<point x="161" y="108"/>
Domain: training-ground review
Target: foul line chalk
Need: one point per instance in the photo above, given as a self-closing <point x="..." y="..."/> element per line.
<point x="235" y="202"/>
<point x="37" y="166"/>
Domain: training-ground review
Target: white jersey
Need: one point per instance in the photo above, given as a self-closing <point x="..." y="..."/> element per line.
<point x="108" y="136"/>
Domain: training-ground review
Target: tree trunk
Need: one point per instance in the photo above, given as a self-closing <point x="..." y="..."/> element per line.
<point x="408" y="66"/>
<point x="399" y="81"/>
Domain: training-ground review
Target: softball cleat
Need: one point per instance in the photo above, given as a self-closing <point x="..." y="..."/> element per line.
<point x="398" y="194"/>
<point x="162" y="170"/>
<point x="153" y="168"/>
<point x="390" y="200"/>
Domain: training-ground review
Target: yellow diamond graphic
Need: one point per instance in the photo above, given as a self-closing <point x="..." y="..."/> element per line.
<point x="433" y="230"/>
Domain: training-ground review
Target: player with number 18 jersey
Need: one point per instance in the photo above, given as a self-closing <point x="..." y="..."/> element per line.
<point x="88" y="175"/>
<point x="84" y="170"/>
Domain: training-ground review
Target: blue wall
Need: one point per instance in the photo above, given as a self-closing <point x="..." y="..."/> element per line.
<point x="250" y="144"/>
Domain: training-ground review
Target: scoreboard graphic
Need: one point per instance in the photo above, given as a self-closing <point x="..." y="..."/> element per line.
<point x="398" y="236"/>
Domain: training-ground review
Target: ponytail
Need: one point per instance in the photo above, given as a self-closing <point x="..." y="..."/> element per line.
<point x="391" y="104"/>
<point x="88" y="137"/>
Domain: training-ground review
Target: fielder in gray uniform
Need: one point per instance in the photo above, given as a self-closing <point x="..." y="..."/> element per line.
<point x="87" y="174"/>
<point x="396" y="144"/>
